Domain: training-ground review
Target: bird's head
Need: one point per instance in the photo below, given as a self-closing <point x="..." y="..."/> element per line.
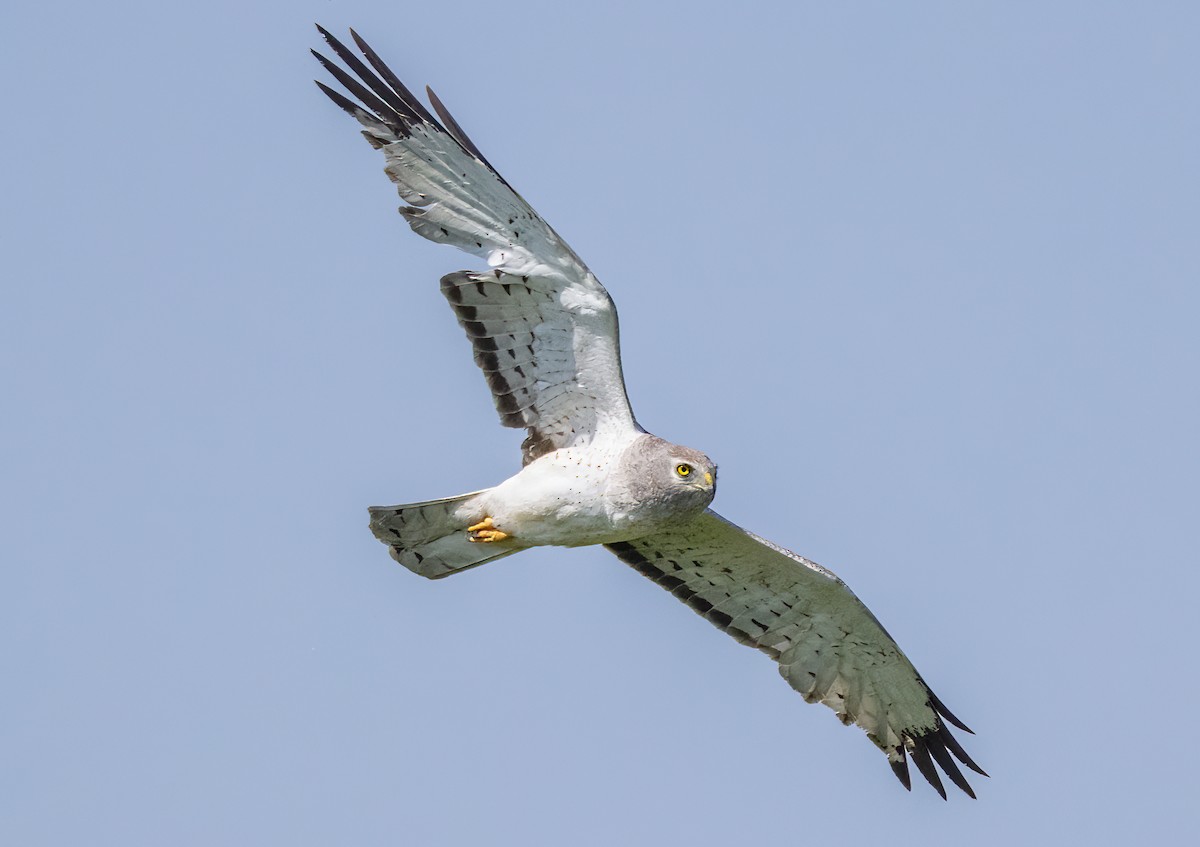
<point x="663" y="480"/>
<point x="693" y="469"/>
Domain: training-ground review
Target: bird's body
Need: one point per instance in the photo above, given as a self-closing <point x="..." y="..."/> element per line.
<point x="558" y="499"/>
<point x="544" y="332"/>
<point x="574" y="497"/>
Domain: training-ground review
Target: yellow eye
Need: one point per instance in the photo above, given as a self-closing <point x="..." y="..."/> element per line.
<point x="683" y="470"/>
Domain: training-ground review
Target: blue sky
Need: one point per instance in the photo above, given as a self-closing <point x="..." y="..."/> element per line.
<point x="921" y="277"/>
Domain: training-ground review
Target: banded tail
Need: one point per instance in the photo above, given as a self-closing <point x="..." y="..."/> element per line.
<point x="431" y="538"/>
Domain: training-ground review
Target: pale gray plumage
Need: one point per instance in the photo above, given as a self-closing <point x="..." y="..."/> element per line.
<point x="544" y="333"/>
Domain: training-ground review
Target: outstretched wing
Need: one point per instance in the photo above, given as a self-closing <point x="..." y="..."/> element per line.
<point x="543" y="328"/>
<point x="829" y="646"/>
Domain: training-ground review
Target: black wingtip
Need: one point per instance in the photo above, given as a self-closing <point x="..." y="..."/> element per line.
<point x="343" y="103"/>
<point x="327" y="36"/>
<point x="941" y="709"/>
<point x="935" y="746"/>
<point x="938" y="751"/>
<point x="388" y="76"/>
<point x="959" y="753"/>
<point x="452" y="125"/>
<point x="924" y="763"/>
<point x="457" y="133"/>
<point x="900" y="769"/>
<point x="382" y="93"/>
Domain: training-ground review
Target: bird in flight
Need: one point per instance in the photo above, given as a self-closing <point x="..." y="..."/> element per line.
<point x="544" y="331"/>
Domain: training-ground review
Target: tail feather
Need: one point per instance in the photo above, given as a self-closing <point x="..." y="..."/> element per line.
<point x="431" y="538"/>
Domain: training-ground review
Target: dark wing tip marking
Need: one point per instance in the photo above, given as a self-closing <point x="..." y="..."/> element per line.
<point x="392" y="80"/>
<point x="351" y="108"/>
<point x="938" y="751"/>
<point x="937" y="745"/>
<point x="387" y="97"/>
<point x="457" y="132"/>
<point x="941" y="709"/>
<point x="923" y="761"/>
<point x="959" y="753"/>
<point x="384" y="111"/>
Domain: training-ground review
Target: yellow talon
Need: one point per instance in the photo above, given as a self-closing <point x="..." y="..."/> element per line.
<point x="489" y="535"/>
<point x="485" y="531"/>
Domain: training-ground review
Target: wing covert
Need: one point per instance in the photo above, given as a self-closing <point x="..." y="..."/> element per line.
<point x="829" y="646"/>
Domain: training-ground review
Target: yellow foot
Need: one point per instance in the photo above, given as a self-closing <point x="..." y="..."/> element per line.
<point x="485" y="530"/>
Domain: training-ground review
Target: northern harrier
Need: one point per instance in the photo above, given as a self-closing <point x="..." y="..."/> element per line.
<point x="544" y="331"/>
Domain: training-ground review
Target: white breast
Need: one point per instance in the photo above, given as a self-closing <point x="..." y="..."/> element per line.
<point x="559" y="499"/>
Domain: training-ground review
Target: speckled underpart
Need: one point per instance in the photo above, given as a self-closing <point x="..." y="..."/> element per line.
<point x="607" y="491"/>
